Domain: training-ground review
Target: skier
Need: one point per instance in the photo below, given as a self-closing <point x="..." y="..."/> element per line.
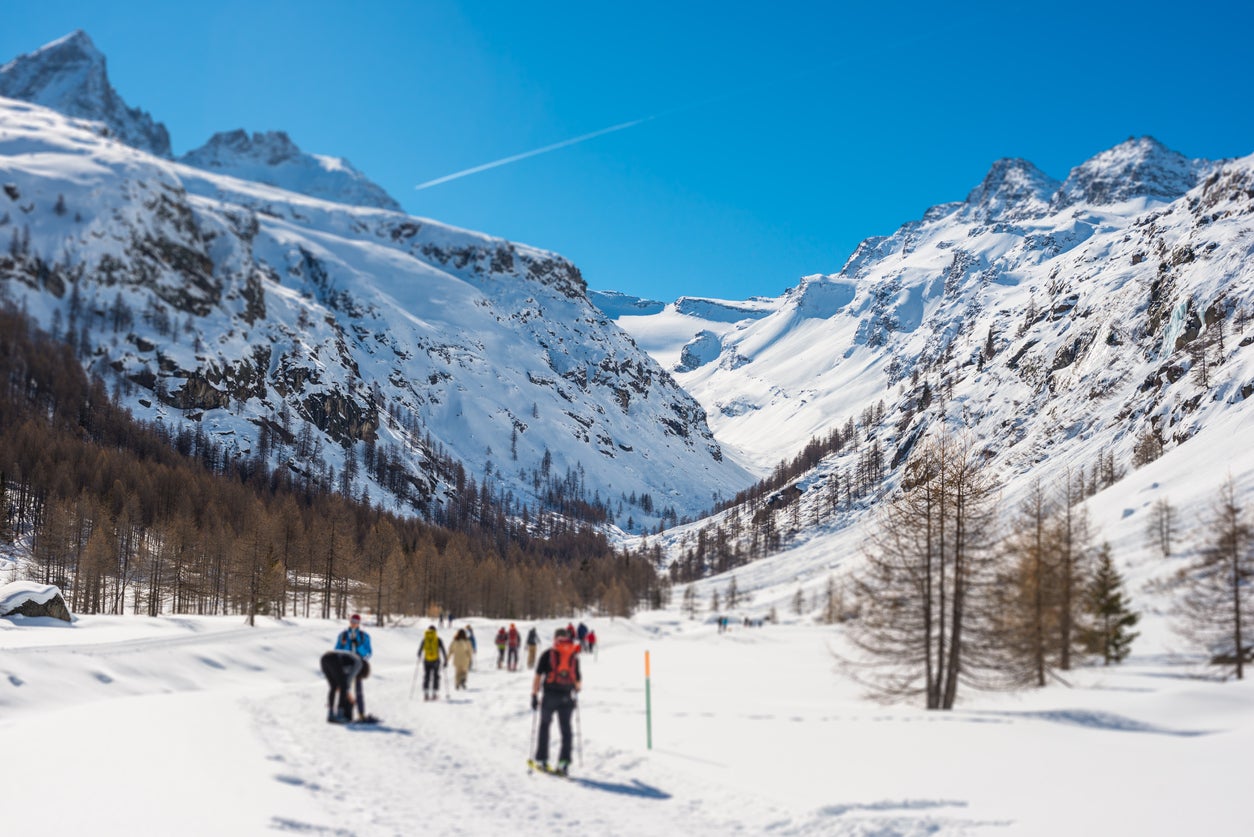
<point x="432" y="653"/>
<point x="461" y="652"/>
<point x="533" y="647"/>
<point x="592" y="641"/>
<point x="558" y="673"/>
<point x="474" y="646"/>
<point x="502" y="639"/>
<point x="357" y="641"/>
<point x="341" y="669"/>
<point x="582" y="633"/>
<point x="512" y="642"/>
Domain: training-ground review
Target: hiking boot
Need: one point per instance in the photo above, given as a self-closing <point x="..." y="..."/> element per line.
<point x="563" y="768"/>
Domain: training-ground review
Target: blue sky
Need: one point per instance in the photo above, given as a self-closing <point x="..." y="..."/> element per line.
<point x="775" y="136"/>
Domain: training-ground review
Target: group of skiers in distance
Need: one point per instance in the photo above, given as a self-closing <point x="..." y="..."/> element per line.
<point x="509" y="639"/>
<point x="554" y="689"/>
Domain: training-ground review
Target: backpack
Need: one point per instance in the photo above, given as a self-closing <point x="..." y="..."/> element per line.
<point x="562" y="665"/>
<point x="431" y="646"/>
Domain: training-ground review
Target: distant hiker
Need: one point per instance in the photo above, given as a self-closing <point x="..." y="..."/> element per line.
<point x="512" y="641"/>
<point x="502" y="639"/>
<point x="533" y="647"/>
<point x="354" y="639"/>
<point x="582" y="633"/>
<point x="558" y="673"/>
<point x="461" y="652"/>
<point x="570" y="631"/>
<point x="341" y="669"/>
<point x="474" y="646"/>
<point x="431" y="652"/>
<point x="592" y="641"/>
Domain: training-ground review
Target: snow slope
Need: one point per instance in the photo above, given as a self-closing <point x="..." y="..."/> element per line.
<point x="224" y="304"/>
<point x="203" y="726"/>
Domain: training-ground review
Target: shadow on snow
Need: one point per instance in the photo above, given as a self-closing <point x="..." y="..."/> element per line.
<point x="1099" y="720"/>
<point x="635" y="788"/>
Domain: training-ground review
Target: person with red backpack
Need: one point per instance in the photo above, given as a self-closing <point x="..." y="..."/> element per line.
<point x="558" y="673"/>
<point x="513" y="640"/>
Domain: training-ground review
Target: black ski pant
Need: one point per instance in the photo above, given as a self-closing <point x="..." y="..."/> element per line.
<point x="561" y="702"/>
<point x="511" y="658"/>
<point x="430" y="676"/>
<point x="341" y="669"/>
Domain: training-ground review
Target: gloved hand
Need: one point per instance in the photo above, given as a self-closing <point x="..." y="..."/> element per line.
<point x="535" y="702"/>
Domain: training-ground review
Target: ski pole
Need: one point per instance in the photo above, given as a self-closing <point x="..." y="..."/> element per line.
<point x="579" y="733"/>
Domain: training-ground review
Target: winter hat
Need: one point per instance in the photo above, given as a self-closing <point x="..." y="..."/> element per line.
<point x="356" y="617"/>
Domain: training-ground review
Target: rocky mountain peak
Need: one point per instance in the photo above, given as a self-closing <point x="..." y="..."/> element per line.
<point x="1013" y="188"/>
<point x="1137" y="167"/>
<point x="271" y="157"/>
<point x="270" y="147"/>
<point x="69" y="75"/>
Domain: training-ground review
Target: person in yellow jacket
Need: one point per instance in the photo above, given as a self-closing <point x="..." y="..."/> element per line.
<point x="432" y="653"/>
<point x="460" y="652"/>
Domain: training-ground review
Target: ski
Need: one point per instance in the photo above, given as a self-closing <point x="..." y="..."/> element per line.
<point x="536" y="767"/>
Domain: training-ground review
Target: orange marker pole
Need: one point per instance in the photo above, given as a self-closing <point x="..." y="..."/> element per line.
<point x="648" y="702"/>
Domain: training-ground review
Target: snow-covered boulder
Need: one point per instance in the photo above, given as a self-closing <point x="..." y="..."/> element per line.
<point x="27" y="598"/>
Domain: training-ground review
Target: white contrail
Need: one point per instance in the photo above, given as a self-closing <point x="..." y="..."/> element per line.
<point x="524" y="155"/>
<point x="765" y="84"/>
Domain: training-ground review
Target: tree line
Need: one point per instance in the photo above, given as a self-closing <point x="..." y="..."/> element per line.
<point x="955" y="593"/>
<point x="133" y="516"/>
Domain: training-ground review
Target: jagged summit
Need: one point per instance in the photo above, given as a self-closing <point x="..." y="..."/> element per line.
<point x="69" y="75"/>
<point x="1013" y="189"/>
<point x="272" y="158"/>
<point x="1139" y="167"/>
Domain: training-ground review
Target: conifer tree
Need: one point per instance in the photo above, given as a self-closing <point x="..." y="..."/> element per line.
<point x="1108" y="631"/>
<point x="924" y="594"/>
<point x="1217" y="603"/>
<point x="799" y="602"/>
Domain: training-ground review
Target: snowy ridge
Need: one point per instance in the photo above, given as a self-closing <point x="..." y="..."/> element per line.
<point x="1087" y="306"/>
<point x="251" y="311"/>
<point x="272" y="158"/>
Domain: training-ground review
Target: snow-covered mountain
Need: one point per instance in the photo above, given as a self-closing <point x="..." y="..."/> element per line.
<point x="69" y="76"/>
<point x="272" y="158"/>
<point x="359" y="346"/>
<point x="1057" y="321"/>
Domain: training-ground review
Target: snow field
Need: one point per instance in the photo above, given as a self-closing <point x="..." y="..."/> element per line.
<point x="203" y="726"/>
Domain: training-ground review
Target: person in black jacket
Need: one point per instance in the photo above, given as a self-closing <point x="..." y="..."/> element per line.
<point x="558" y="673"/>
<point x="341" y="669"/>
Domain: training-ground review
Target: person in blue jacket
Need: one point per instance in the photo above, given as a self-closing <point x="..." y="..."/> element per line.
<point x="357" y="641"/>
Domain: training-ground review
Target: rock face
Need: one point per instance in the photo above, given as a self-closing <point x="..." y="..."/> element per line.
<point x="69" y="76"/>
<point x="26" y="598"/>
